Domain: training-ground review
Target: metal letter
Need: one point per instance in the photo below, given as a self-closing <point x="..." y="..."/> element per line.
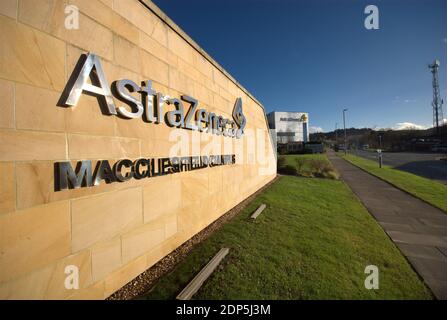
<point x="89" y="66"/>
<point x="66" y="178"/>
<point x="149" y="96"/>
<point x="219" y="125"/>
<point x="202" y="117"/>
<point x="191" y="112"/>
<point x="118" y="167"/>
<point x="223" y="125"/>
<point x="103" y="171"/>
<point x="212" y="122"/>
<point x="175" y="164"/>
<point x="176" y="117"/>
<point x="121" y="86"/>
<point x="137" y="173"/>
<point x="160" y="100"/>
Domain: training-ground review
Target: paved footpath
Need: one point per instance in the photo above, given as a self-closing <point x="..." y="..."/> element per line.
<point x="417" y="228"/>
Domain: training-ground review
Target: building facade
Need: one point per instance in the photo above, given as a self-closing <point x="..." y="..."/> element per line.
<point x="120" y="139"/>
<point x="290" y="128"/>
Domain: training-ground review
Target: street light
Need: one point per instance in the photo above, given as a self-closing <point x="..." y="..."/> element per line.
<point x="344" y="127"/>
<point x="336" y="133"/>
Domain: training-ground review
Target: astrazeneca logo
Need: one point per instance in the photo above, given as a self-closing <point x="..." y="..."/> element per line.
<point x="150" y="105"/>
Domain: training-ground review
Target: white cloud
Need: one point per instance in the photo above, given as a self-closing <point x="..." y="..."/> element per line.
<point x="408" y="126"/>
<point x="444" y="40"/>
<point x="444" y="121"/>
<point x="400" y="99"/>
<point x="315" y="129"/>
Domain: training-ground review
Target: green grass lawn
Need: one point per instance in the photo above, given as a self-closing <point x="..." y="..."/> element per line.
<point x="428" y="190"/>
<point x="313" y="241"/>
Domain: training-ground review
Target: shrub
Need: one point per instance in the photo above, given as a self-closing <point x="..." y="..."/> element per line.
<point x="323" y="169"/>
<point x="318" y="166"/>
<point x="332" y="175"/>
<point x="300" y="162"/>
<point x="307" y="167"/>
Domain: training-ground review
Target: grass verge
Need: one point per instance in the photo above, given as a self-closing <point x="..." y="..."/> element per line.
<point x="313" y="241"/>
<point x="428" y="190"/>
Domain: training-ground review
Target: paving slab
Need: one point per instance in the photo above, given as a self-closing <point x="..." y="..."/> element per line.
<point x="194" y="285"/>
<point x="418" y="229"/>
<point x="418" y="238"/>
<point x="418" y="251"/>
<point x="258" y="211"/>
<point x="396" y="227"/>
<point x="430" y="268"/>
<point x="439" y="288"/>
<point x="435" y="222"/>
<point x="395" y="219"/>
<point x="440" y="231"/>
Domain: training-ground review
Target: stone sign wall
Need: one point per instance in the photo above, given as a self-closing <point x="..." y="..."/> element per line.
<point x="108" y="233"/>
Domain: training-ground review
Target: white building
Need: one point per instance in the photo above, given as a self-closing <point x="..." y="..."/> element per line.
<point x="290" y="128"/>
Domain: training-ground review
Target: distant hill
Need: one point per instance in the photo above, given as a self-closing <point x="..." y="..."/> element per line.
<point x="391" y="139"/>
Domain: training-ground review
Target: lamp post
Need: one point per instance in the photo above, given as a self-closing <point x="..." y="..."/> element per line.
<point x="379" y="151"/>
<point x="344" y="127"/>
<point x="336" y="133"/>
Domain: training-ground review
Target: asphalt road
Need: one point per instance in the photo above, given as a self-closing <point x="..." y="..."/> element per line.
<point x="425" y="165"/>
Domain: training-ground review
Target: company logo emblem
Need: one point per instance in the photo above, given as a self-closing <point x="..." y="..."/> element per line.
<point x="239" y="117"/>
<point x="303" y="118"/>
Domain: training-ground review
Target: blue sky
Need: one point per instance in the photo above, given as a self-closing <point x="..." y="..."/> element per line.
<point x="316" y="55"/>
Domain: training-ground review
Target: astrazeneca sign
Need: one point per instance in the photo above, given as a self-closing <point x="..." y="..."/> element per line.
<point x="150" y="106"/>
<point x="150" y="109"/>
